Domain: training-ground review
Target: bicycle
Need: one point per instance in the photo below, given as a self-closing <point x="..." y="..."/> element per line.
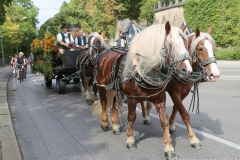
<point x="22" y="72"/>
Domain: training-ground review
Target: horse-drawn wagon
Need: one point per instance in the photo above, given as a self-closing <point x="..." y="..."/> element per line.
<point x="64" y="75"/>
<point x="48" y="62"/>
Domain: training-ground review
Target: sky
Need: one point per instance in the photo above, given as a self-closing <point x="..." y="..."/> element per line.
<point x="47" y="9"/>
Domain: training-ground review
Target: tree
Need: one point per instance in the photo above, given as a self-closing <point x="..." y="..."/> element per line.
<point x="3" y="11"/>
<point x="19" y="27"/>
<point x="99" y="15"/>
<point x="147" y="10"/>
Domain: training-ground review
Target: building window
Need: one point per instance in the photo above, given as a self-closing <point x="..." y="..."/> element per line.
<point x="156" y="6"/>
<point x="167" y="2"/>
<point x="173" y="1"/>
<point x="162" y="4"/>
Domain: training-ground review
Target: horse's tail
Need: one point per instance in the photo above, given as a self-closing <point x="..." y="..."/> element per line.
<point x="97" y="107"/>
<point x="82" y="90"/>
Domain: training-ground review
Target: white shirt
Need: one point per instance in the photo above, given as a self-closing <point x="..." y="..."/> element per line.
<point x="76" y="41"/>
<point x="59" y="38"/>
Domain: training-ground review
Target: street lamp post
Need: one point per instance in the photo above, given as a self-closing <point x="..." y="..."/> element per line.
<point x="2" y="48"/>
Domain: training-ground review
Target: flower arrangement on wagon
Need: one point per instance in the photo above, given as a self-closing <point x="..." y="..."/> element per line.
<point x="48" y="43"/>
<point x="36" y="47"/>
<point x="42" y="51"/>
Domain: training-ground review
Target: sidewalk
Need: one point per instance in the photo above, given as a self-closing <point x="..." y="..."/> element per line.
<point x="9" y="149"/>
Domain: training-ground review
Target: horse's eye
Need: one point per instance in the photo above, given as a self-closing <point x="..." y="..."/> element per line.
<point x="200" y="49"/>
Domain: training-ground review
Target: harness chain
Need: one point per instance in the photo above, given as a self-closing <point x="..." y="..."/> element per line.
<point x="112" y="75"/>
<point x="119" y="96"/>
<point x="119" y="77"/>
<point x="95" y="68"/>
<point x="192" y="104"/>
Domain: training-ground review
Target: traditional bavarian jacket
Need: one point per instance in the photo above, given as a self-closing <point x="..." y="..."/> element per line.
<point x="81" y="41"/>
<point x="66" y="38"/>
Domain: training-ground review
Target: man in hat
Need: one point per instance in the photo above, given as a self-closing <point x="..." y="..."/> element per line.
<point x="65" y="42"/>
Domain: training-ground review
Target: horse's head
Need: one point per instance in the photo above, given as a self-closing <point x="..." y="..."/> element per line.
<point x="175" y="47"/>
<point x="96" y="44"/>
<point x="201" y="46"/>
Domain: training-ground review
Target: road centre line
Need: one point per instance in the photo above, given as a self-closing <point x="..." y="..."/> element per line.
<point x="218" y="139"/>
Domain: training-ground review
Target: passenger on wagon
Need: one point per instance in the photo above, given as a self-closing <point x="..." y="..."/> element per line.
<point x="65" y="42"/>
<point x="81" y="40"/>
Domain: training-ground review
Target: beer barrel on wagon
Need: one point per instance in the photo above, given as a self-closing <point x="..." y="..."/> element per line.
<point x="73" y="29"/>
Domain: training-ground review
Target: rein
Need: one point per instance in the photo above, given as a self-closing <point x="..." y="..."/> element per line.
<point x="192" y="104"/>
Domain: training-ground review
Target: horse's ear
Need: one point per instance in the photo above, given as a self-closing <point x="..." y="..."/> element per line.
<point x="209" y="30"/>
<point x="167" y="27"/>
<point x="184" y="27"/>
<point x="197" y="33"/>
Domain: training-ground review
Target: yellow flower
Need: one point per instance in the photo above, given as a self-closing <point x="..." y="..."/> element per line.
<point x="48" y="43"/>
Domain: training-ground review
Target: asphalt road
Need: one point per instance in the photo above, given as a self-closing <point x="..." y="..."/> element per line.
<point x="61" y="127"/>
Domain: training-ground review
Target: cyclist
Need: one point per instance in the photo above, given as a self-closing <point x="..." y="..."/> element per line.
<point x="21" y="62"/>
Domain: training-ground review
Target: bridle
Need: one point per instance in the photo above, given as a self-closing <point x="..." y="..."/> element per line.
<point x="206" y="62"/>
<point x="202" y="63"/>
<point x="96" y="48"/>
<point x="167" y="53"/>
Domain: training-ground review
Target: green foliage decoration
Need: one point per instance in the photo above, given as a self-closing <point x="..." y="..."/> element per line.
<point x="43" y="52"/>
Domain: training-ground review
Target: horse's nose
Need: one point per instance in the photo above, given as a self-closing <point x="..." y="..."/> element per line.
<point x="215" y="76"/>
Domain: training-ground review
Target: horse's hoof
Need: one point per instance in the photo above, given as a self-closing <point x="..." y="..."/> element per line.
<point x="131" y="146"/>
<point x="105" y="129"/>
<point x="170" y="156"/>
<point x="88" y="101"/>
<point x="172" y="131"/>
<point x="118" y="132"/>
<point x="197" y="146"/>
<point x="146" y="122"/>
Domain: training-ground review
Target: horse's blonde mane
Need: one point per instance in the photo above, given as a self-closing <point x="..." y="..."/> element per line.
<point x="195" y="41"/>
<point x="95" y="34"/>
<point x="148" y="45"/>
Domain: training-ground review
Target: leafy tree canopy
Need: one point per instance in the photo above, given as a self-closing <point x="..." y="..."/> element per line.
<point x="18" y="30"/>
<point x="3" y="11"/>
<point x="99" y="15"/>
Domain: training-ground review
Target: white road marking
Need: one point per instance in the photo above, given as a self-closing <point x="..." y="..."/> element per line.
<point x="229" y="77"/>
<point x="226" y="142"/>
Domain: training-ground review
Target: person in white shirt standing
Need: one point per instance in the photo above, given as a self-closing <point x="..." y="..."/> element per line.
<point x="65" y="42"/>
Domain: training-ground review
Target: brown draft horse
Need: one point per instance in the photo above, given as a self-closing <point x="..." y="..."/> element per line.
<point x="201" y="46"/>
<point x="155" y="48"/>
<point x="86" y="64"/>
